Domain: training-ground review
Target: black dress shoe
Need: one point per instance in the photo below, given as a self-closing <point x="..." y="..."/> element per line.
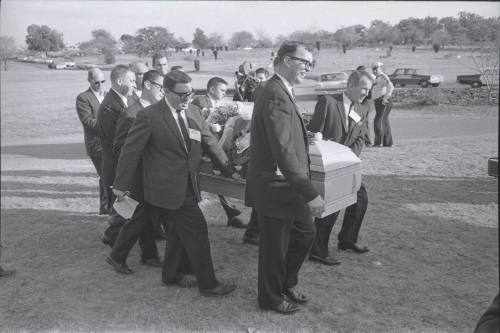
<point x="251" y="240"/>
<point x="236" y="222"/>
<point x="283" y="308"/>
<point x="106" y="241"/>
<point x="329" y="261"/>
<point x="295" y="296"/>
<point x="352" y="246"/>
<point x="120" y="268"/>
<point x="221" y="290"/>
<point x="153" y="262"/>
<point x="184" y="281"/>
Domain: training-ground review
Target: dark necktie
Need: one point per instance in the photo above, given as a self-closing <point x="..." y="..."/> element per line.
<point x="185" y="134"/>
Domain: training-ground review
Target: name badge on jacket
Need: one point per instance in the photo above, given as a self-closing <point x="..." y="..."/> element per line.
<point x="354" y="116"/>
<point x="194" y="135"/>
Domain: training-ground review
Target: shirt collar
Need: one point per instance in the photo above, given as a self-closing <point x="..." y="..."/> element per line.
<point x="287" y="84"/>
<point x="124" y="98"/>
<point x="144" y="103"/>
<point x="97" y="93"/>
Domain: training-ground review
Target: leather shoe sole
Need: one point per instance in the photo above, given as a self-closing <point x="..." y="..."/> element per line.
<point x="329" y="261"/>
<point x="355" y="247"/>
<point x="283" y="308"/>
<point x="120" y="268"/>
<point x="221" y="290"/>
<point x="295" y="296"/>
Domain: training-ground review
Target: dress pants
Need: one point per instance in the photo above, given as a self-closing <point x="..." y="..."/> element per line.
<point x="284" y="245"/>
<point x="103" y="195"/>
<point x="353" y="218"/>
<point x="138" y="227"/>
<point x="187" y="248"/>
<point x="252" y="230"/>
<point x="381" y="125"/>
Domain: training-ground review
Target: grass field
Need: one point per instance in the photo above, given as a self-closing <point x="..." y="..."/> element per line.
<point x="431" y="224"/>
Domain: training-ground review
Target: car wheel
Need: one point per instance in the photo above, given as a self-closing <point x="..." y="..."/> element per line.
<point x="435" y="84"/>
<point x="424" y="84"/>
<point x="476" y="84"/>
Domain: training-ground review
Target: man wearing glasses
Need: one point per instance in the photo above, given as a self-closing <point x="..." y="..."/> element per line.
<point x="168" y="137"/>
<point x="278" y="183"/>
<point x="87" y="105"/>
<point x="122" y="86"/>
<point x="139" y="69"/>
<point x="140" y="226"/>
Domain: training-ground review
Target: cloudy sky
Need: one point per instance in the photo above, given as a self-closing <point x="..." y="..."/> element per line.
<point x="77" y="18"/>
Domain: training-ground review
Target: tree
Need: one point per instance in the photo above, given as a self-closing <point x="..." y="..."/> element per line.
<point x="263" y="40"/>
<point x="216" y="39"/>
<point x="200" y="40"/>
<point x="102" y="42"/>
<point x="44" y="39"/>
<point x="411" y="31"/>
<point x="485" y="62"/>
<point x="129" y="44"/>
<point x="242" y="39"/>
<point x="380" y="33"/>
<point x="441" y="38"/>
<point x="154" y="39"/>
<point x="8" y="50"/>
<point x="349" y="36"/>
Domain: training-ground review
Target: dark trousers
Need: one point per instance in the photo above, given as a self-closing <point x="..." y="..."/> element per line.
<point x="353" y="218"/>
<point x="381" y="125"/>
<point x="252" y="230"/>
<point x="139" y="227"/>
<point x="230" y="211"/>
<point x="103" y="195"/>
<point x="187" y="247"/>
<point x="284" y="245"/>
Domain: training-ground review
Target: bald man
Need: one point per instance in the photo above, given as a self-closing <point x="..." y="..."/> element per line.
<point x="87" y="104"/>
<point x="139" y="69"/>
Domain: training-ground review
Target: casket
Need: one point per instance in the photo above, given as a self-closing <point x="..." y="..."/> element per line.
<point x="335" y="173"/>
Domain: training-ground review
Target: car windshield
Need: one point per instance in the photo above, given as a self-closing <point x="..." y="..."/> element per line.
<point x="334" y="77"/>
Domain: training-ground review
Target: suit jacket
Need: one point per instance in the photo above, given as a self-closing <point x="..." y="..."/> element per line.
<point x="87" y="106"/>
<point x="123" y="125"/>
<point x="168" y="169"/>
<point x="329" y="118"/>
<point x="109" y="111"/>
<point x="278" y="140"/>
<point x="203" y="102"/>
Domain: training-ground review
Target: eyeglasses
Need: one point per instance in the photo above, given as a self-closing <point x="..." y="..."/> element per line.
<point x="157" y="85"/>
<point x="183" y="96"/>
<point x="307" y="64"/>
<point x="99" y="82"/>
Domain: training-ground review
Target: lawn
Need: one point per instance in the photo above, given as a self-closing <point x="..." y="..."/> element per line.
<point x="431" y="225"/>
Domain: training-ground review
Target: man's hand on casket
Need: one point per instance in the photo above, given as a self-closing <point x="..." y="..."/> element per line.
<point x="316" y="206"/>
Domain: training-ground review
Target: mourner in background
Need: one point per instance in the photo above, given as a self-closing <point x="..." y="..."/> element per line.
<point x="160" y="62"/>
<point x="168" y="136"/>
<point x="122" y="87"/>
<point x="261" y="75"/>
<point x="87" y="106"/>
<point x="278" y="183"/>
<point x="139" y="69"/>
<point x="342" y="118"/>
<point x="382" y="97"/>
<point x="140" y="226"/>
<point x="216" y="91"/>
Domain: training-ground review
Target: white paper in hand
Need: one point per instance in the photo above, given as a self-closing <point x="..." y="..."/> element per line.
<point x="126" y="207"/>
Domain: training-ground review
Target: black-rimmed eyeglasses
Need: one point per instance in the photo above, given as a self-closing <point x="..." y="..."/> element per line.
<point x="99" y="82"/>
<point x="157" y="85"/>
<point x="307" y="64"/>
<point x="183" y="96"/>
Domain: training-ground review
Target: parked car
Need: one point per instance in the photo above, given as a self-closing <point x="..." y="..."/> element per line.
<point x="404" y="76"/>
<point x="490" y="76"/>
<point x="331" y="83"/>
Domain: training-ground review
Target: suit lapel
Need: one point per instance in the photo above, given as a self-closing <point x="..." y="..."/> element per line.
<point x="117" y="98"/>
<point x="341" y="110"/>
<point x="172" y="124"/>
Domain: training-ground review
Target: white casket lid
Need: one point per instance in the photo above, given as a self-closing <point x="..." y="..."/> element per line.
<point x="326" y="156"/>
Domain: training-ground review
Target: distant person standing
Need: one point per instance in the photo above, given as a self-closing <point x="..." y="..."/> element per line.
<point x="87" y="106"/>
<point x="160" y="63"/>
<point x="216" y="53"/>
<point x="382" y="98"/>
<point x="122" y="87"/>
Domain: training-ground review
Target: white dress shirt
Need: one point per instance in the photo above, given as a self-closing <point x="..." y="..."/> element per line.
<point x="124" y="98"/>
<point x="347" y="108"/>
<point x="98" y="95"/>
<point x="175" y="115"/>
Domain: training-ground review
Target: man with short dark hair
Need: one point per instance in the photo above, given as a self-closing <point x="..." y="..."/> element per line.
<point x="139" y="69"/>
<point x="216" y="91"/>
<point x="160" y="62"/>
<point x="168" y="137"/>
<point x="122" y="86"/>
<point x="278" y="183"/>
<point x="87" y="106"/>
<point x="261" y="75"/>
<point x="342" y="118"/>
<point x="140" y="226"/>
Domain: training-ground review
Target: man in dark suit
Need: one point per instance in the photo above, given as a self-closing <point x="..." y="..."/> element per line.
<point x="343" y="118"/>
<point x="122" y="86"/>
<point x="216" y="91"/>
<point x="168" y="137"/>
<point x="87" y="106"/>
<point x="278" y="183"/>
<point x="140" y="225"/>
